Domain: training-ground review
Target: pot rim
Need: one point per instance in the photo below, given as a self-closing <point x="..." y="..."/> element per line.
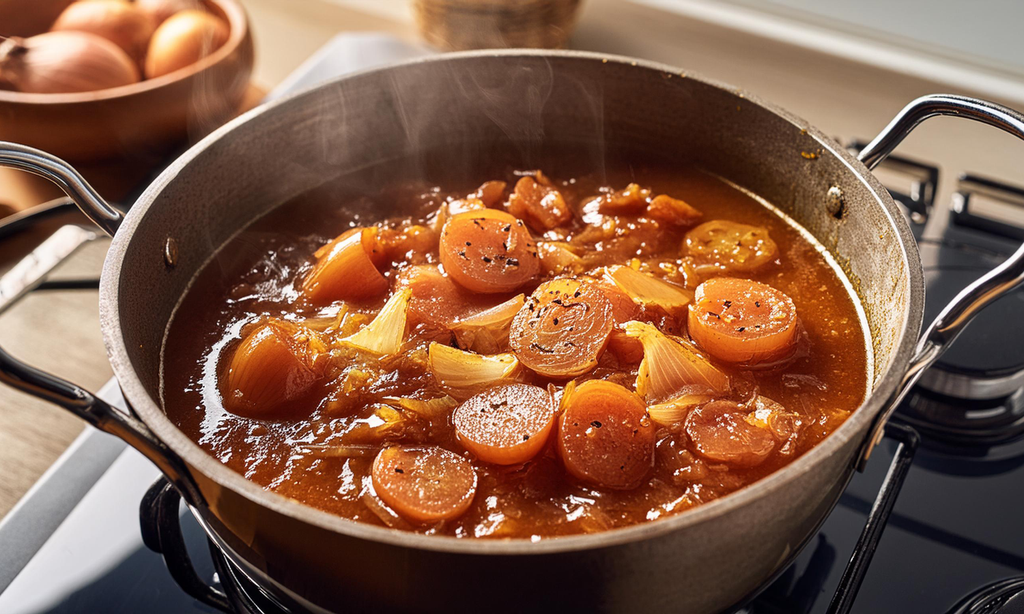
<point x="199" y="460"/>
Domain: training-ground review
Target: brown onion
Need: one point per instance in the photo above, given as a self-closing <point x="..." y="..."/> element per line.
<point x="121" y="23"/>
<point x="161" y="10"/>
<point x="64" y="62"/>
<point x="183" y="40"/>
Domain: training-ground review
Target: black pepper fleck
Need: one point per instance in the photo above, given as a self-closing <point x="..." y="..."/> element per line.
<point x="596" y="424"/>
<point x="398" y="470"/>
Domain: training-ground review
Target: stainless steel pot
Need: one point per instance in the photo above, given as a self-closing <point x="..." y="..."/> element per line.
<point x="458" y="108"/>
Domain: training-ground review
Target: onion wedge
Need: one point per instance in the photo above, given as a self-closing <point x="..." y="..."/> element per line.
<point x="486" y="332"/>
<point x="669" y="366"/>
<point x="464" y="372"/>
<point x="675" y="411"/>
<point x="648" y="290"/>
<point x="384" y="334"/>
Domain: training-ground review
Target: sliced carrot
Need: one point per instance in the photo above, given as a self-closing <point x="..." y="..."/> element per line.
<point x="424" y="483"/>
<point x="274" y="365"/>
<point x="542" y="206"/>
<point x="605" y="436"/>
<point x="624" y="308"/>
<point x="720" y="432"/>
<point x="345" y="269"/>
<point x="505" y="425"/>
<point x="742" y="321"/>
<point x="488" y="251"/>
<point x="562" y="329"/>
<point x="437" y="300"/>
<point x="734" y="246"/>
<point x="627" y="349"/>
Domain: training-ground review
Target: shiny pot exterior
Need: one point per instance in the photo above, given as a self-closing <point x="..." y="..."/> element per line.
<point x="457" y="111"/>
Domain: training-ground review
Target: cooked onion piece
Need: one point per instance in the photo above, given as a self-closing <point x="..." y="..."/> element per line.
<point x="675" y="411"/>
<point x="742" y="321"/>
<point x="556" y="257"/>
<point x="735" y="246"/>
<point x="630" y="200"/>
<point x="488" y="251"/>
<point x="487" y="331"/>
<point x="424" y="483"/>
<point x="540" y="204"/>
<point x="647" y="289"/>
<point x="460" y="371"/>
<point x="605" y="436"/>
<point x="398" y="245"/>
<point x="429" y="409"/>
<point x="562" y="329"/>
<point x="344" y="270"/>
<point x="672" y="211"/>
<point x="490" y="192"/>
<point x="274" y="365"/>
<point x="669" y="366"/>
<point x="720" y="432"/>
<point x="505" y="425"/>
<point x="385" y="333"/>
<point x="784" y="424"/>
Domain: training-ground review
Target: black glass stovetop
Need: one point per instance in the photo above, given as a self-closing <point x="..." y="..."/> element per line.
<point x="74" y="545"/>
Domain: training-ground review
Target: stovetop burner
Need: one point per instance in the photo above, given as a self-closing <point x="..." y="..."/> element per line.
<point x="1003" y="597"/>
<point x="974" y="394"/>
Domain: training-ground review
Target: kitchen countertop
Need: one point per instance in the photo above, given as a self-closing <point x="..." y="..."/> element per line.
<point x="59" y="331"/>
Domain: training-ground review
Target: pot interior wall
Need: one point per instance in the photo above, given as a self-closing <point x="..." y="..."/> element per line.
<point x="458" y="114"/>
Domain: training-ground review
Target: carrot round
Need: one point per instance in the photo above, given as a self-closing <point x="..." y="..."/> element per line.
<point x="272" y="366"/>
<point x="562" y="328"/>
<point x="505" y="425"/>
<point x="488" y="251"/>
<point x="424" y="483"/>
<point x="605" y="436"/>
<point x="720" y="432"/>
<point x="742" y="321"/>
<point x="345" y="269"/>
<point x="735" y="246"/>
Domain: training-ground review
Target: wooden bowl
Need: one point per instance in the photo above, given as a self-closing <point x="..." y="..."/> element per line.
<point x="142" y="119"/>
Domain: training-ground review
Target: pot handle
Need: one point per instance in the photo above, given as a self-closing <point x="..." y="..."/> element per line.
<point x="30" y="272"/>
<point x="21" y="157"/>
<point x="978" y="295"/>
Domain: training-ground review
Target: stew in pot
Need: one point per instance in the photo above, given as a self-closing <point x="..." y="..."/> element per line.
<point x="534" y="357"/>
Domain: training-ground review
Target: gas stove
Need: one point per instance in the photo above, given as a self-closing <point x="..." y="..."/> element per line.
<point x="102" y="532"/>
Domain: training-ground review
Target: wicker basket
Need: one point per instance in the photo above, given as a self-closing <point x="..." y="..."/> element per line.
<point x="489" y="24"/>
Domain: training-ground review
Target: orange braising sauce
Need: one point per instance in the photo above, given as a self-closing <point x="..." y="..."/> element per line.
<point x="541" y="356"/>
